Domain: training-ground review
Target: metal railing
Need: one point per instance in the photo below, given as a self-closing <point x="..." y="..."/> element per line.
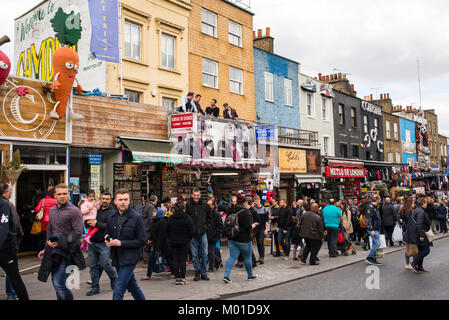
<point x="298" y="137"/>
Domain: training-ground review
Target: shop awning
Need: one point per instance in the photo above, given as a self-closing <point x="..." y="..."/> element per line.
<point x="308" y="178"/>
<point x="152" y="151"/>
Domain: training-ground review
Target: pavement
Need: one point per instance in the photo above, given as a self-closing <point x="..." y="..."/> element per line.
<point x="361" y="281"/>
<point x="273" y="272"/>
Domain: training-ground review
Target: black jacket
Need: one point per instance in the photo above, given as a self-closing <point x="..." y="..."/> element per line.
<point x="311" y="226"/>
<point x="431" y="211"/>
<point x="8" y="235"/>
<point x="102" y="221"/>
<point x="147" y="216"/>
<point x="245" y="219"/>
<point x="417" y="225"/>
<point x="199" y="214"/>
<point x="373" y="220"/>
<point x="132" y="237"/>
<point x="180" y="228"/>
<point x="389" y="215"/>
<point x="213" y="111"/>
<point x="285" y="218"/>
<point x="68" y="249"/>
<point x="159" y="236"/>
<point x="442" y="212"/>
<point x="214" y="227"/>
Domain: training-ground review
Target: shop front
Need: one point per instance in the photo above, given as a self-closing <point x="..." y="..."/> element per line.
<point x="343" y="178"/>
<point x="379" y="178"/>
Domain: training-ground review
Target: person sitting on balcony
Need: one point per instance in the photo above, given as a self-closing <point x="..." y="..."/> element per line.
<point x="197" y="104"/>
<point x="229" y="113"/>
<point x="213" y="109"/>
<point x="187" y="104"/>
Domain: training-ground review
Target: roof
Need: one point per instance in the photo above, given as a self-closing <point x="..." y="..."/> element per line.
<point x="274" y="54"/>
<point x="239" y="7"/>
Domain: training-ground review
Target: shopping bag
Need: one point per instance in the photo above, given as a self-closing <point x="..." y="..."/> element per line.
<point x="158" y="263"/>
<point x="411" y="250"/>
<point x="341" y="238"/>
<point x="36" y="228"/>
<point x="430" y="235"/>
<point x="397" y="234"/>
<point x="383" y="243"/>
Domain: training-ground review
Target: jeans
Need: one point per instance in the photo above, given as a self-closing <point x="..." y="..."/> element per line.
<point x="332" y="237"/>
<point x="10" y="293"/>
<point x="235" y="248"/>
<point x="376" y="244"/>
<point x="99" y="255"/>
<point x="200" y="241"/>
<point x="389" y="234"/>
<point x="126" y="281"/>
<point x="180" y="252"/>
<point x="284" y="240"/>
<point x="423" y="251"/>
<point x="260" y="239"/>
<point x="313" y="247"/>
<point x="443" y="225"/>
<point x="59" y="278"/>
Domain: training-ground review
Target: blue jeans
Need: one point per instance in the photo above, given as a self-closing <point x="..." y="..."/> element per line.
<point x="126" y="281"/>
<point x="9" y="289"/>
<point x="332" y="238"/>
<point x="235" y="248"/>
<point x="284" y="236"/>
<point x="376" y="244"/>
<point x="99" y="254"/>
<point x="202" y="242"/>
<point x="59" y="278"/>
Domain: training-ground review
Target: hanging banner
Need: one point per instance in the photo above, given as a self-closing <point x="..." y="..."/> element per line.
<point x="104" y="38"/>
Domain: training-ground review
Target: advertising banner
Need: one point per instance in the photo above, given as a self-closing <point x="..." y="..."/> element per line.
<point x="292" y="160"/>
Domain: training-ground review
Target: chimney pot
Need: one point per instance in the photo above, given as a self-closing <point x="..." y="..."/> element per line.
<point x="371" y="97"/>
<point x="388" y="96"/>
<point x="259" y="33"/>
<point x="267" y="31"/>
<point x="332" y="77"/>
<point x="335" y="76"/>
<point x="381" y="96"/>
<point x="319" y="76"/>
<point x="339" y="76"/>
<point x="327" y="78"/>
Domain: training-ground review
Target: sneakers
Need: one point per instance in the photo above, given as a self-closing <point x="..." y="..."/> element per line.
<point x="227" y="280"/>
<point x="178" y="282"/>
<point x="285" y="258"/>
<point x="54" y="115"/>
<point x="197" y="276"/>
<point x="370" y="260"/>
<point x="253" y="277"/>
<point x="415" y="268"/>
<point x="205" y="277"/>
<point x="89" y="282"/>
<point x="408" y="266"/>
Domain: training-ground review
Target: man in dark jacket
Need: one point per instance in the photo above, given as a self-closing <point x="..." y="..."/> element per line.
<point x="431" y="211"/>
<point x="214" y="230"/>
<point x="311" y="228"/>
<point x="99" y="252"/>
<point x="373" y="225"/>
<point x="442" y="217"/>
<point x="199" y="212"/>
<point x="126" y="230"/>
<point x="390" y="218"/>
<point x="8" y="245"/>
<point x="416" y="233"/>
<point x="285" y="222"/>
<point x="229" y="113"/>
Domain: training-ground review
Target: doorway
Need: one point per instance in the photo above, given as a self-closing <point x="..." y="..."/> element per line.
<point x="30" y="189"/>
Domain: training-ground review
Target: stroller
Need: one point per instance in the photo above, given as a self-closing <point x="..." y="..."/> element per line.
<point x="344" y="243"/>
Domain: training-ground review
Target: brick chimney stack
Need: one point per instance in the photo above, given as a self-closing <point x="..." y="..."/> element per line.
<point x="266" y="42"/>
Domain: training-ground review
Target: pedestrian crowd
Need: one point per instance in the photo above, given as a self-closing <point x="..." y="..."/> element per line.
<point x="172" y="235"/>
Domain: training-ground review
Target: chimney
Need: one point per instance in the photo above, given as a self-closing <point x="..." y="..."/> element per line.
<point x="388" y="96"/>
<point x="335" y="76"/>
<point x="371" y="97"/>
<point x="319" y="76"/>
<point x="332" y="77"/>
<point x="381" y="96"/>
<point x="339" y="76"/>
<point x="327" y="78"/>
<point x="259" y="33"/>
<point x="267" y="31"/>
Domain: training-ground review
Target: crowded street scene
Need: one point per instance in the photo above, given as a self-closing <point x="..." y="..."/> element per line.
<point x="167" y="150"/>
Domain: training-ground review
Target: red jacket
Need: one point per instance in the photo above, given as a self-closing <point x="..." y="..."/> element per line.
<point x="49" y="202"/>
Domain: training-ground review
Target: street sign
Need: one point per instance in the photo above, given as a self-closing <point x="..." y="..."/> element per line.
<point x="95" y="159"/>
<point x="266" y="132"/>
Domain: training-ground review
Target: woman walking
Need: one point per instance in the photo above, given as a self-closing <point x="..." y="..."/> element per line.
<point x="405" y="213"/>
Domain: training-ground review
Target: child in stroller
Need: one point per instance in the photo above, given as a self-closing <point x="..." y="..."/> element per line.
<point x="344" y="243"/>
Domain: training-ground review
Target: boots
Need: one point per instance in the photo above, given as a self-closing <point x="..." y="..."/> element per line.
<point x="197" y="276"/>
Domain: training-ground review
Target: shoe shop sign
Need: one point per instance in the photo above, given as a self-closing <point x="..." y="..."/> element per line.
<point x="25" y="105"/>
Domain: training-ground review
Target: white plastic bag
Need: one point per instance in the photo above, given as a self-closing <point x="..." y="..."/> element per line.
<point x="383" y="243"/>
<point x="397" y="234"/>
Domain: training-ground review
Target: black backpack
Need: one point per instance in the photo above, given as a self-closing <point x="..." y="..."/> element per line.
<point x="231" y="225"/>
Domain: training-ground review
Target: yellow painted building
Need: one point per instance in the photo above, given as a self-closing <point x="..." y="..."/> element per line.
<point x="221" y="63"/>
<point x="154" y="44"/>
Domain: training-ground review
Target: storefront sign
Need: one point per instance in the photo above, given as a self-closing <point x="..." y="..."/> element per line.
<point x="313" y="161"/>
<point x="265" y="132"/>
<point x="94" y="169"/>
<point x="95" y="159"/>
<point x="334" y="172"/>
<point x="182" y="123"/>
<point x="434" y="168"/>
<point x="292" y="160"/>
<point x="369" y="107"/>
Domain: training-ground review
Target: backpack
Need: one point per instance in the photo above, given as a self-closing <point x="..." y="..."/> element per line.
<point x="362" y="221"/>
<point x="231" y="225"/>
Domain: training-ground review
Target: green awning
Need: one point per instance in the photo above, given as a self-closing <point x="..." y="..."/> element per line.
<point x="152" y="151"/>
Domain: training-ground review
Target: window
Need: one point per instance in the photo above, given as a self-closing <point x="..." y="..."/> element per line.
<point x="288" y="92"/>
<point x="235" y="33"/>
<point x="168" y="51"/>
<point x="324" y="109"/>
<point x="343" y="150"/>
<point x="133" y="96"/>
<point x="353" y="117"/>
<point x="269" y="94"/>
<point x="395" y="132"/>
<point x="398" y="157"/>
<point x="210" y="73"/>
<point x="341" y="114"/>
<point x="387" y="131"/>
<point x="355" y="151"/>
<point x="169" y="103"/>
<point x="209" y="23"/>
<point x="236" y="80"/>
<point x="132" y="40"/>
<point x="310" y="108"/>
<point x="326" y="145"/>
<point x="390" y="157"/>
<point x="365" y="124"/>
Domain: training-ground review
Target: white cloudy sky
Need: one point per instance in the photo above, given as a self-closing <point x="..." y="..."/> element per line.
<point x="377" y="42"/>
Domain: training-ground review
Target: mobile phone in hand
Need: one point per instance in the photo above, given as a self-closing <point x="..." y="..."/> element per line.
<point x="107" y="238"/>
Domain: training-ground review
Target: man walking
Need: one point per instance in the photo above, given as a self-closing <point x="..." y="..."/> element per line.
<point x="64" y="231"/>
<point x="373" y="225"/>
<point x="285" y="221"/>
<point x="332" y="217"/>
<point x="99" y="252"/>
<point x="311" y="228"/>
<point x="390" y="218"/>
<point x="126" y="231"/>
<point x="199" y="212"/>
<point x="261" y="230"/>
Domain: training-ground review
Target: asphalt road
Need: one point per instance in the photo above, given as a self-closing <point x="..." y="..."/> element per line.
<point x="350" y="282"/>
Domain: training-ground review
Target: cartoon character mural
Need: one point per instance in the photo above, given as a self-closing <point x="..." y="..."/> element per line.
<point x="65" y="64"/>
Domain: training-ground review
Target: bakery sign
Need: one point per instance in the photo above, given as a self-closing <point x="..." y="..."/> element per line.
<point x="336" y="172"/>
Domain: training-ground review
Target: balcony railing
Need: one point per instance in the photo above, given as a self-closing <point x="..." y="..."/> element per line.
<point x="298" y="137"/>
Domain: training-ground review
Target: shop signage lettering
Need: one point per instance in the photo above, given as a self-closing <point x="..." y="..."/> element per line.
<point x="95" y="159"/>
<point x="369" y="107"/>
<point x="182" y="123"/>
<point x="292" y="160"/>
<point x="345" y="172"/>
<point x="265" y="132"/>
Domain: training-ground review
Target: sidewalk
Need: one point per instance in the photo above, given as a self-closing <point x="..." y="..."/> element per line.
<point x="275" y="271"/>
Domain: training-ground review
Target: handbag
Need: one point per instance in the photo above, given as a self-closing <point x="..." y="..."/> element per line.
<point x="411" y="250"/>
<point x="430" y="235"/>
<point x="36" y="229"/>
<point x="40" y="214"/>
<point x="158" y="262"/>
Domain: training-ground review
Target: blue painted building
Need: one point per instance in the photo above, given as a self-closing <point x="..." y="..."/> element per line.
<point x="276" y="89"/>
<point x="408" y="141"/>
